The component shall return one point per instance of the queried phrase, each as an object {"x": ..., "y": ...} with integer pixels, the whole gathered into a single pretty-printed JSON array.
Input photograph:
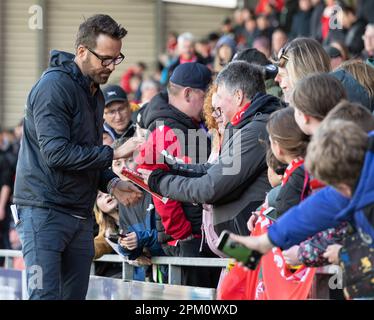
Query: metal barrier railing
[
  {"x": 174, "y": 264},
  {"x": 319, "y": 290}
]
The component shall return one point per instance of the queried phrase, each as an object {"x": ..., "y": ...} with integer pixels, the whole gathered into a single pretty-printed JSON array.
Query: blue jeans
[{"x": 58, "y": 250}]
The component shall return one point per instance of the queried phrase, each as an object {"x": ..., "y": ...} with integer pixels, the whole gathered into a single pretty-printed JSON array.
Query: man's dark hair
[
  {"x": 244, "y": 76},
  {"x": 213, "y": 36},
  {"x": 98, "y": 24},
  {"x": 252, "y": 55}
]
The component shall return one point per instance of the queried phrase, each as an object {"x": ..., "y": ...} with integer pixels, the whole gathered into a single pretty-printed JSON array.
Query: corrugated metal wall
[
  {"x": 21, "y": 65},
  {"x": 199, "y": 20},
  {"x": 19, "y": 59},
  {"x": 137, "y": 17}
]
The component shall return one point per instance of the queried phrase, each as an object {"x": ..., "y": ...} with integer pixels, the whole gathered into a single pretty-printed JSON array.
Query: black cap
[
  {"x": 192, "y": 74},
  {"x": 114, "y": 93}
]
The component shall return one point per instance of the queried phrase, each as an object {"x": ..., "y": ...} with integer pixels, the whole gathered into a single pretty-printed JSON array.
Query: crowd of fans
[{"x": 296, "y": 87}]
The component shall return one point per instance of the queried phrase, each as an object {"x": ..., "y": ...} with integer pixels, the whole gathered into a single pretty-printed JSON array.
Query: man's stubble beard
[{"x": 95, "y": 76}]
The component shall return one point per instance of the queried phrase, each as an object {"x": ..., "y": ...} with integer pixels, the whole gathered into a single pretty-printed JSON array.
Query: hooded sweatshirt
[{"x": 62, "y": 160}]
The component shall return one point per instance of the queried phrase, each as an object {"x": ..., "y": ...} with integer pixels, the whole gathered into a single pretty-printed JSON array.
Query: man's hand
[
  {"x": 145, "y": 173},
  {"x": 290, "y": 256},
  {"x": 127, "y": 193},
  {"x": 130, "y": 242},
  {"x": 332, "y": 253},
  {"x": 128, "y": 148}
]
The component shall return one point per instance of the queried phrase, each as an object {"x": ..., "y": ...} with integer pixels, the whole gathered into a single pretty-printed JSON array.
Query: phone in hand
[{"x": 250, "y": 258}]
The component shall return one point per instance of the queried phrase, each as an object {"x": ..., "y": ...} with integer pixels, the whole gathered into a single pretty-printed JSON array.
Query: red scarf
[
  {"x": 238, "y": 116},
  {"x": 182, "y": 61},
  {"x": 295, "y": 163}
]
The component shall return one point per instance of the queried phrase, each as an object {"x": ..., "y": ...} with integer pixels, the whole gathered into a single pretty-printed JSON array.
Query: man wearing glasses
[
  {"x": 62, "y": 163},
  {"x": 117, "y": 113}
]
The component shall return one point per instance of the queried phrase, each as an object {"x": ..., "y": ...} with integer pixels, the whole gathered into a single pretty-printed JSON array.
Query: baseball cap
[
  {"x": 192, "y": 74},
  {"x": 114, "y": 93}
]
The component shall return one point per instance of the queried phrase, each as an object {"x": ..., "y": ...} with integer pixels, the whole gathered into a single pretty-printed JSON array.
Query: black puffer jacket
[{"x": 61, "y": 161}]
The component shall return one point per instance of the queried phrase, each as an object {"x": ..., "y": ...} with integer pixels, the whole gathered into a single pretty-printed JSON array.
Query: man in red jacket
[{"x": 173, "y": 119}]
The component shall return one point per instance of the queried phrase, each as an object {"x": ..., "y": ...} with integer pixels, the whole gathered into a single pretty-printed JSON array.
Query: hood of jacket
[
  {"x": 64, "y": 62},
  {"x": 160, "y": 109},
  {"x": 355, "y": 91},
  {"x": 363, "y": 195}
]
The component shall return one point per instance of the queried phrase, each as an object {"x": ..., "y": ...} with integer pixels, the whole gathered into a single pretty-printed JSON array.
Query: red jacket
[{"x": 168, "y": 131}]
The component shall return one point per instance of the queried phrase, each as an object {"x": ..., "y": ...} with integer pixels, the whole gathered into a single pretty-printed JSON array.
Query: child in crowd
[
  {"x": 349, "y": 169},
  {"x": 311, "y": 252},
  {"x": 288, "y": 144},
  {"x": 138, "y": 223},
  {"x": 276, "y": 170},
  {"x": 107, "y": 218}
]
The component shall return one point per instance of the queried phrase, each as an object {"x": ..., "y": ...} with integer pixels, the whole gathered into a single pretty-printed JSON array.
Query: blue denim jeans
[{"x": 58, "y": 250}]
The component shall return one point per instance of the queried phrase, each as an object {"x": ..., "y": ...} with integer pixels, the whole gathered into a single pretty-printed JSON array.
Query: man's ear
[
  {"x": 187, "y": 94},
  {"x": 239, "y": 96},
  {"x": 82, "y": 52}
]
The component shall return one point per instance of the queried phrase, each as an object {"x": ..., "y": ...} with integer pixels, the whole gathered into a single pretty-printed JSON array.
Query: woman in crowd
[{"x": 299, "y": 58}]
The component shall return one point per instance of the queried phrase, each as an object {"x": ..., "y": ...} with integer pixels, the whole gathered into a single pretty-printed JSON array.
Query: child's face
[
  {"x": 275, "y": 148},
  {"x": 119, "y": 164},
  {"x": 106, "y": 203},
  {"x": 302, "y": 122},
  {"x": 274, "y": 178}
]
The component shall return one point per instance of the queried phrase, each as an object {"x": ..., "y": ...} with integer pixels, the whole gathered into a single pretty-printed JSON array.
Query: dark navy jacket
[{"x": 62, "y": 161}]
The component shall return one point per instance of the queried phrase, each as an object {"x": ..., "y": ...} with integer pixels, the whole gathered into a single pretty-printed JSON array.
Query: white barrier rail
[{"x": 320, "y": 289}]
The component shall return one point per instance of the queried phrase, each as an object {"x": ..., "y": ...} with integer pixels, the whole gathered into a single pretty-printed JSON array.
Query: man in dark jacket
[
  {"x": 236, "y": 184},
  {"x": 117, "y": 113},
  {"x": 62, "y": 163}
]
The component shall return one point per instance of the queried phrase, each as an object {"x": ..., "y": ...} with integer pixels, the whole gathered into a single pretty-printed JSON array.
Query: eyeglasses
[
  {"x": 120, "y": 110},
  {"x": 217, "y": 112},
  {"x": 282, "y": 53},
  {"x": 105, "y": 61}
]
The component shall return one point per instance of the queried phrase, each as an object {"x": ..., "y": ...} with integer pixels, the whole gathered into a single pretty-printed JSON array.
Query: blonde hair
[
  {"x": 305, "y": 56},
  {"x": 362, "y": 72}
]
